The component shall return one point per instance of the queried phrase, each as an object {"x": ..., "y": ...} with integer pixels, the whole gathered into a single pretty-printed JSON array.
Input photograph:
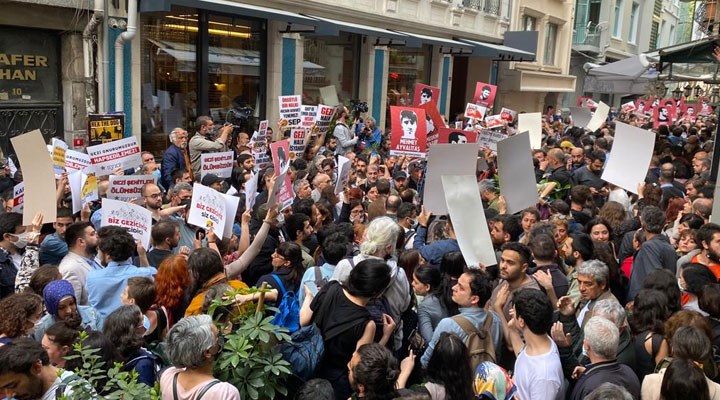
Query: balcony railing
[{"x": 487, "y": 6}]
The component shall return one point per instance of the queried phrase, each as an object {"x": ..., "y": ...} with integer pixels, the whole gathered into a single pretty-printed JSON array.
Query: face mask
[
  {"x": 157, "y": 175},
  {"x": 22, "y": 240},
  {"x": 146, "y": 323}
]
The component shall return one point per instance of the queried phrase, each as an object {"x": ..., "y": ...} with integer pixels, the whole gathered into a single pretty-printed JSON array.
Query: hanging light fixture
[
  {"x": 687, "y": 90},
  {"x": 677, "y": 93},
  {"x": 714, "y": 95},
  {"x": 698, "y": 90}
]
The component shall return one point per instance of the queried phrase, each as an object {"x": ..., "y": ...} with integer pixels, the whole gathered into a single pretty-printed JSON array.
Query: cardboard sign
[
  {"x": 446, "y": 159},
  {"x": 599, "y": 117},
  {"x": 471, "y": 228},
  {"x": 290, "y": 107},
  {"x": 484, "y": 94},
  {"x": 532, "y": 123},
  {"x": 259, "y": 146},
  {"x": 434, "y": 122},
  {"x": 662, "y": 115},
  {"x": 408, "y": 133},
  {"x": 494, "y": 121},
  {"x": 231, "y": 207},
  {"x": 517, "y": 174},
  {"x": 220, "y": 164},
  {"x": 323, "y": 117},
  {"x": 38, "y": 177},
  {"x": 298, "y": 139},
  {"x": 280, "y": 154},
  {"x": 308, "y": 114},
  {"x": 58, "y": 156},
  {"x": 251, "y": 191},
  {"x": 689, "y": 110},
  {"x": 137, "y": 220},
  {"x": 475, "y": 111},
  {"x": 208, "y": 209},
  {"x": 424, "y": 94},
  {"x": 88, "y": 189},
  {"x": 107, "y": 157},
  {"x": 508, "y": 114},
  {"x": 344, "y": 167},
  {"x": 489, "y": 138},
  {"x": 105, "y": 128},
  {"x": 77, "y": 161},
  {"x": 631, "y": 155},
  {"x": 127, "y": 187},
  {"x": 628, "y": 107},
  {"x": 329, "y": 95},
  {"x": 456, "y": 136},
  {"x": 580, "y": 116},
  {"x": 18, "y": 198},
  {"x": 586, "y": 102}
]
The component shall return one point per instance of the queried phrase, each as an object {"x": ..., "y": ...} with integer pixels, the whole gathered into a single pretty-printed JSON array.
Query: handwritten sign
[
  {"x": 127, "y": 187},
  {"x": 107, "y": 157},
  {"x": 489, "y": 138},
  {"x": 208, "y": 209},
  {"x": 220, "y": 164},
  {"x": 290, "y": 108},
  {"x": 137, "y": 220}
]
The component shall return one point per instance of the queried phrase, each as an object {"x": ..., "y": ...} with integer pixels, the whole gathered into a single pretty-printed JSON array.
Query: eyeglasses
[{"x": 155, "y": 195}]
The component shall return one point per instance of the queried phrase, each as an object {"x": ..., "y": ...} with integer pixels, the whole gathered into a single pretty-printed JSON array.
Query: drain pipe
[
  {"x": 126, "y": 36},
  {"x": 88, "y": 59}
]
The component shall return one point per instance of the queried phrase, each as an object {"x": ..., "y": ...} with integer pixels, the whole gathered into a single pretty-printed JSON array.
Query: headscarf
[
  {"x": 54, "y": 292},
  {"x": 492, "y": 382}
]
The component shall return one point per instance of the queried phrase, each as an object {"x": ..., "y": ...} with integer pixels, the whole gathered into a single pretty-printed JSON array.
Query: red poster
[
  {"x": 508, "y": 114},
  {"x": 449, "y": 135},
  {"x": 586, "y": 102},
  {"x": 704, "y": 107},
  {"x": 280, "y": 152},
  {"x": 671, "y": 107},
  {"x": 494, "y": 121},
  {"x": 433, "y": 120},
  {"x": 485, "y": 94},
  {"x": 661, "y": 116},
  {"x": 425, "y": 94},
  {"x": 644, "y": 106},
  {"x": 689, "y": 110},
  {"x": 475, "y": 111},
  {"x": 409, "y": 131}
]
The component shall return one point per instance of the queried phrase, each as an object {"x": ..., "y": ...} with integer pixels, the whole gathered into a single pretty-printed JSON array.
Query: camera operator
[
  {"x": 203, "y": 141},
  {"x": 345, "y": 136},
  {"x": 369, "y": 133}
]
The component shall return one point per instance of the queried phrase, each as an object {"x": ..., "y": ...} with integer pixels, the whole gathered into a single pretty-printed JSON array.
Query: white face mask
[{"x": 22, "y": 240}]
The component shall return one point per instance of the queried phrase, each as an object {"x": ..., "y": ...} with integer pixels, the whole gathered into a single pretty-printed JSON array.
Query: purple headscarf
[{"x": 54, "y": 292}]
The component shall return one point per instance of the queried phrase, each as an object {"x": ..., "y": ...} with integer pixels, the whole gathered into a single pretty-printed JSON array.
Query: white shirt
[{"x": 539, "y": 377}]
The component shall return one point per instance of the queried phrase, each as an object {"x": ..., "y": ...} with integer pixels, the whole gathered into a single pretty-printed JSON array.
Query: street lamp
[
  {"x": 698, "y": 90},
  {"x": 677, "y": 93},
  {"x": 714, "y": 95},
  {"x": 687, "y": 90}
]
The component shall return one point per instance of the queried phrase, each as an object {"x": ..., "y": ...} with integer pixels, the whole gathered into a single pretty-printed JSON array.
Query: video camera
[{"x": 358, "y": 107}]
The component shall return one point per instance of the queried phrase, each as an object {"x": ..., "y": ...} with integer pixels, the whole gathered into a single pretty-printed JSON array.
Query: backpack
[
  {"x": 304, "y": 351},
  {"x": 157, "y": 362},
  {"x": 288, "y": 315},
  {"x": 479, "y": 342}
]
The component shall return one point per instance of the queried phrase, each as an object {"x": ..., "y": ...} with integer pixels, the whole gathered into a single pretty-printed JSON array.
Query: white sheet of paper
[
  {"x": 600, "y": 115},
  {"x": 532, "y": 123},
  {"x": 465, "y": 209},
  {"x": 329, "y": 95},
  {"x": 631, "y": 154},
  {"x": 77, "y": 161},
  {"x": 123, "y": 153},
  {"x": 231, "y": 206},
  {"x": 251, "y": 191},
  {"x": 581, "y": 116},
  {"x": 446, "y": 159},
  {"x": 207, "y": 209},
  {"x": 137, "y": 220},
  {"x": 38, "y": 176},
  {"x": 517, "y": 174},
  {"x": 344, "y": 166},
  {"x": 75, "y": 180}
]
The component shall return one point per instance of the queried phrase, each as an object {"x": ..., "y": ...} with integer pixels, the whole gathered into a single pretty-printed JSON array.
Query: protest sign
[
  {"x": 281, "y": 192},
  {"x": 631, "y": 154},
  {"x": 123, "y": 153},
  {"x": 475, "y": 111},
  {"x": 517, "y": 174},
  {"x": 231, "y": 207},
  {"x": 508, "y": 114},
  {"x": 661, "y": 116},
  {"x": 344, "y": 167},
  {"x": 408, "y": 133},
  {"x": 127, "y": 187},
  {"x": 104, "y": 128},
  {"x": 689, "y": 110},
  {"x": 456, "y": 136},
  {"x": 263, "y": 130},
  {"x": 586, "y": 102},
  {"x": 75, "y": 180},
  {"x": 323, "y": 117},
  {"x": 58, "y": 156},
  {"x": 251, "y": 191},
  {"x": 308, "y": 114},
  {"x": 259, "y": 146},
  {"x": 484, "y": 94},
  {"x": 280, "y": 151},
  {"x": 207, "y": 209},
  {"x": 77, "y": 161},
  {"x": 599, "y": 117},
  {"x": 705, "y": 107},
  {"x": 219, "y": 164},
  {"x": 298, "y": 137},
  {"x": 434, "y": 122},
  {"x": 494, "y": 121},
  {"x": 532, "y": 123},
  {"x": 471, "y": 228},
  {"x": 489, "y": 138},
  {"x": 580, "y": 116},
  {"x": 290, "y": 107},
  {"x": 643, "y": 105},
  {"x": 18, "y": 197},
  {"x": 88, "y": 189},
  {"x": 446, "y": 159},
  {"x": 424, "y": 94},
  {"x": 137, "y": 220},
  {"x": 38, "y": 177},
  {"x": 329, "y": 95},
  {"x": 628, "y": 107}
]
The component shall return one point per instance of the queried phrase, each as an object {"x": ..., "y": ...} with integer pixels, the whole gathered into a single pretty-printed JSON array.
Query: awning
[
  {"x": 631, "y": 68},
  {"x": 384, "y": 37},
  {"x": 697, "y": 51},
  {"x": 446, "y": 46},
  {"x": 296, "y": 22},
  {"x": 499, "y": 52}
]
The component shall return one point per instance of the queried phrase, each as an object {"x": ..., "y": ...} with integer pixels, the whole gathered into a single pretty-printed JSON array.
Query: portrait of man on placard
[
  {"x": 457, "y": 137},
  {"x": 663, "y": 114},
  {"x": 425, "y": 96},
  {"x": 408, "y": 121},
  {"x": 485, "y": 92}
]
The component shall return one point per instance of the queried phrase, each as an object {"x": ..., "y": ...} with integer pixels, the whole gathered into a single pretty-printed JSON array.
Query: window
[
  {"x": 633, "y": 23},
  {"x": 617, "y": 23},
  {"x": 528, "y": 23},
  {"x": 406, "y": 68},
  {"x": 661, "y": 41},
  {"x": 550, "y": 37},
  {"x": 671, "y": 37},
  {"x": 330, "y": 61}
]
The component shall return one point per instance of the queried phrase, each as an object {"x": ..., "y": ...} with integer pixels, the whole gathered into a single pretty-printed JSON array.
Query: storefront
[
  {"x": 407, "y": 67},
  {"x": 330, "y": 61}
]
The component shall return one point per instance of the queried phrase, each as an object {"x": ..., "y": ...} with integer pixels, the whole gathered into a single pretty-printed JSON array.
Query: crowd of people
[{"x": 597, "y": 293}]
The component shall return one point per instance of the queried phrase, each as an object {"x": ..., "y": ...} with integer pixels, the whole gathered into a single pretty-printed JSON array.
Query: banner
[
  {"x": 219, "y": 164},
  {"x": 631, "y": 155},
  {"x": 77, "y": 161},
  {"x": 424, "y": 94},
  {"x": 18, "y": 198},
  {"x": 475, "y": 111},
  {"x": 344, "y": 167},
  {"x": 38, "y": 177},
  {"x": 231, "y": 207},
  {"x": 489, "y": 138},
  {"x": 290, "y": 107},
  {"x": 484, "y": 94},
  {"x": 408, "y": 133},
  {"x": 137, "y": 220},
  {"x": 127, "y": 187},
  {"x": 107, "y": 157},
  {"x": 516, "y": 171},
  {"x": 532, "y": 123},
  {"x": 456, "y": 136},
  {"x": 284, "y": 193},
  {"x": 104, "y": 128},
  {"x": 323, "y": 117},
  {"x": 58, "y": 156},
  {"x": 208, "y": 209},
  {"x": 298, "y": 138}
]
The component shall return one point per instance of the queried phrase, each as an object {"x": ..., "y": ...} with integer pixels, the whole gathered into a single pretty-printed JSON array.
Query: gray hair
[
  {"x": 487, "y": 185},
  {"x": 610, "y": 310},
  {"x": 380, "y": 233},
  {"x": 174, "y": 132},
  {"x": 188, "y": 339},
  {"x": 298, "y": 184},
  {"x": 369, "y": 120},
  {"x": 595, "y": 268},
  {"x": 609, "y": 391},
  {"x": 180, "y": 186},
  {"x": 602, "y": 337}
]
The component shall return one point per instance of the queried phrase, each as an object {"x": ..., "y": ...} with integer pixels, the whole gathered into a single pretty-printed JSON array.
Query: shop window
[
  {"x": 407, "y": 67},
  {"x": 331, "y": 61}
]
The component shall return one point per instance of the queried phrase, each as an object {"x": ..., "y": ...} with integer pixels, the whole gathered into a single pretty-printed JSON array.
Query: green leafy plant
[
  {"x": 250, "y": 359},
  {"x": 113, "y": 382}
]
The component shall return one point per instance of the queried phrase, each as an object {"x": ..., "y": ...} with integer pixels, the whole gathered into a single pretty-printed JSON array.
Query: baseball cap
[
  {"x": 209, "y": 179},
  {"x": 400, "y": 175}
]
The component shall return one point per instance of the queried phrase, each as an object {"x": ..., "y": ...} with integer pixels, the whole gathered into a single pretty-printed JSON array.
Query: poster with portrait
[
  {"x": 456, "y": 136},
  {"x": 290, "y": 111},
  {"x": 408, "y": 134},
  {"x": 104, "y": 128},
  {"x": 484, "y": 94},
  {"x": 643, "y": 106},
  {"x": 628, "y": 107},
  {"x": 474, "y": 111},
  {"x": 494, "y": 121},
  {"x": 689, "y": 111},
  {"x": 508, "y": 114},
  {"x": 586, "y": 102},
  {"x": 672, "y": 107},
  {"x": 137, "y": 220},
  {"x": 662, "y": 115},
  {"x": 281, "y": 162},
  {"x": 434, "y": 122},
  {"x": 424, "y": 94},
  {"x": 208, "y": 209},
  {"x": 704, "y": 107}
]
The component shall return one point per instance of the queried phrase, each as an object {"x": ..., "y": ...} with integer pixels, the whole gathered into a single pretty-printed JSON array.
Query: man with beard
[
  {"x": 708, "y": 236},
  {"x": 152, "y": 196},
  {"x": 175, "y": 157},
  {"x": 61, "y": 305},
  {"x": 590, "y": 175},
  {"x": 513, "y": 275},
  {"x": 165, "y": 238},
  {"x": 81, "y": 238},
  {"x": 577, "y": 158},
  {"x": 578, "y": 248},
  {"x": 26, "y": 373}
]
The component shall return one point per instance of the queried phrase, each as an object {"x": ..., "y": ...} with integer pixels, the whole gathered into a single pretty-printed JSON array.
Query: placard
[
  {"x": 446, "y": 159},
  {"x": 471, "y": 228},
  {"x": 474, "y": 111},
  {"x": 18, "y": 198},
  {"x": 127, "y": 187},
  {"x": 599, "y": 117},
  {"x": 456, "y": 136},
  {"x": 88, "y": 189},
  {"x": 298, "y": 137},
  {"x": 280, "y": 151},
  {"x": 508, "y": 114},
  {"x": 137, "y": 220},
  {"x": 38, "y": 177},
  {"x": 107, "y": 157},
  {"x": 77, "y": 161},
  {"x": 344, "y": 167},
  {"x": 231, "y": 206},
  {"x": 532, "y": 123},
  {"x": 484, "y": 94},
  {"x": 516, "y": 172},
  {"x": 323, "y": 117},
  {"x": 251, "y": 191},
  {"x": 75, "y": 180},
  {"x": 308, "y": 115},
  {"x": 494, "y": 121},
  {"x": 219, "y": 164},
  {"x": 105, "y": 128},
  {"x": 489, "y": 138},
  {"x": 408, "y": 133},
  {"x": 628, "y": 107},
  {"x": 329, "y": 95},
  {"x": 434, "y": 122},
  {"x": 424, "y": 94},
  {"x": 290, "y": 107},
  {"x": 208, "y": 209},
  {"x": 580, "y": 116},
  {"x": 58, "y": 156},
  {"x": 631, "y": 155}
]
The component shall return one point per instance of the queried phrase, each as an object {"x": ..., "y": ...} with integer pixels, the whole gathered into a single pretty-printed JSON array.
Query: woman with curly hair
[
  {"x": 125, "y": 328},
  {"x": 614, "y": 214},
  {"x": 20, "y": 312},
  {"x": 171, "y": 287}
]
